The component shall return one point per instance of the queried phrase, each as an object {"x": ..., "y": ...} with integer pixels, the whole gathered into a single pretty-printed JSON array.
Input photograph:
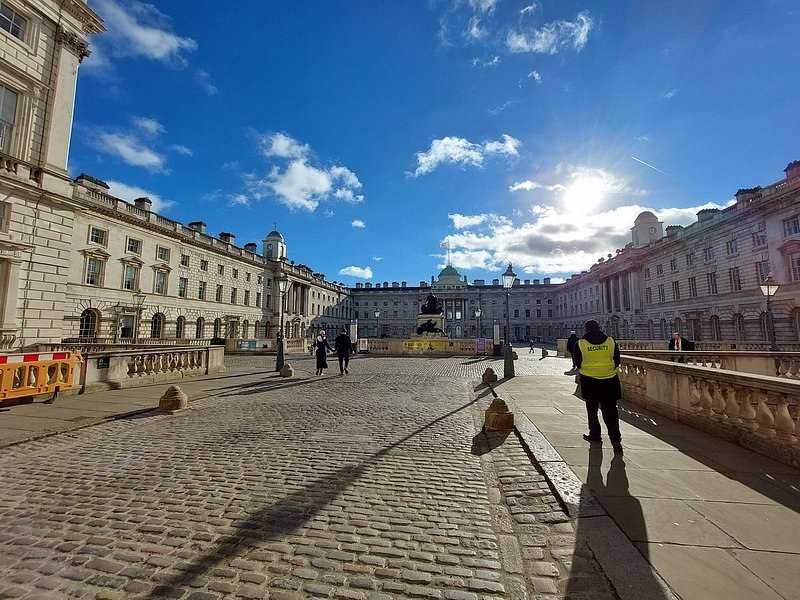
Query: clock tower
[
  {"x": 646, "y": 228},
  {"x": 274, "y": 246}
]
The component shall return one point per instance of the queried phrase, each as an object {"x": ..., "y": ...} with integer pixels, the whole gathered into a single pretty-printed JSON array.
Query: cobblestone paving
[
  {"x": 360, "y": 487},
  {"x": 471, "y": 367}
]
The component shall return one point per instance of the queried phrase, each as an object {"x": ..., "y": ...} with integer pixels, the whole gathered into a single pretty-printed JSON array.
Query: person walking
[
  {"x": 531, "y": 347},
  {"x": 343, "y": 345},
  {"x": 597, "y": 357},
  {"x": 571, "y": 342},
  {"x": 323, "y": 347}
]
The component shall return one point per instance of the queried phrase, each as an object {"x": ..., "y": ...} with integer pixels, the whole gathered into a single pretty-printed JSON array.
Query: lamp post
[
  {"x": 769, "y": 288},
  {"x": 138, "y": 302},
  {"x": 377, "y": 324},
  {"x": 508, "y": 364},
  {"x": 283, "y": 287},
  {"x": 478, "y": 316}
]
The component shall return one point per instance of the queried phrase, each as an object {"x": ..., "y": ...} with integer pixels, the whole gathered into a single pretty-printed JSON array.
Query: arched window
[
  {"x": 217, "y": 327},
  {"x": 257, "y": 329},
  {"x": 157, "y": 326},
  {"x": 678, "y": 325},
  {"x": 180, "y": 327},
  {"x": 198, "y": 328},
  {"x": 664, "y": 334},
  {"x": 795, "y": 321},
  {"x": 716, "y": 329},
  {"x": 245, "y": 328},
  {"x": 88, "y": 324},
  {"x": 650, "y": 329},
  {"x": 738, "y": 328}
]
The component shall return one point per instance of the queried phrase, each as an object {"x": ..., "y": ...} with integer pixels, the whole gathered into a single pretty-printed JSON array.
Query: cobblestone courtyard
[{"x": 374, "y": 485}]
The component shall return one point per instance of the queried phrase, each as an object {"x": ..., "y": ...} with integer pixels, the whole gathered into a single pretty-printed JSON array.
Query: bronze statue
[
  {"x": 428, "y": 327},
  {"x": 431, "y": 306}
]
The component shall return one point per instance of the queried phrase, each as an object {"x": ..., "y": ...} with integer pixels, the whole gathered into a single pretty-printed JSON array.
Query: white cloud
[
  {"x": 553, "y": 36},
  {"x": 130, "y": 150},
  {"x": 462, "y": 152},
  {"x": 535, "y": 185},
  {"x": 536, "y": 76},
  {"x": 359, "y": 272},
  {"x": 377, "y": 258},
  {"x": 129, "y": 193},
  {"x": 141, "y": 30},
  {"x": 148, "y": 126},
  {"x": 181, "y": 149},
  {"x": 474, "y": 30},
  {"x": 358, "y": 223},
  {"x": 205, "y": 81},
  {"x": 529, "y": 10},
  {"x": 642, "y": 138},
  {"x": 671, "y": 93},
  {"x": 238, "y": 200},
  {"x": 483, "y": 6},
  {"x": 297, "y": 183},
  {"x": 464, "y": 221}
]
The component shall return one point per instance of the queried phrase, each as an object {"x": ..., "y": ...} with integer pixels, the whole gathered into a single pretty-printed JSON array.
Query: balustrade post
[
  {"x": 747, "y": 412},
  {"x": 706, "y": 399},
  {"x": 784, "y": 426},
  {"x": 718, "y": 403},
  {"x": 731, "y": 406},
  {"x": 764, "y": 418}
]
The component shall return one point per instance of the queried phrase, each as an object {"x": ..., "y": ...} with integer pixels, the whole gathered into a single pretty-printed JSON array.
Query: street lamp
[
  {"x": 377, "y": 324},
  {"x": 769, "y": 288},
  {"x": 283, "y": 287},
  {"x": 478, "y": 316},
  {"x": 508, "y": 365},
  {"x": 138, "y": 303}
]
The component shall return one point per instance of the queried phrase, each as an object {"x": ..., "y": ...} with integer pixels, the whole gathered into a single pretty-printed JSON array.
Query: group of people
[
  {"x": 596, "y": 359},
  {"x": 342, "y": 345}
]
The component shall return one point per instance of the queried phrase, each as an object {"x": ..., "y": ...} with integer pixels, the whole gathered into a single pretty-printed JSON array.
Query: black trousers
[
  {"x": 610, "y": 417},
  {"x": 344, "y": 361}
]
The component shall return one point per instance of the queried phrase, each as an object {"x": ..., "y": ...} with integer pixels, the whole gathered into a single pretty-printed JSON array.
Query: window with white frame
[
  {"x": 201, "y": 290},
  {"x": 732, "y": 246},
  {"x": 220, "y": 269},
  {"x": 712, "y": 282},
  {"x": 693, "y": 287},
  {"x": 160, "y": 282},
  {"x": 218, "y": 295},
  {"x": 94, "y": 270},
  {"x": 235, "y": 273},
  {"x": 648, "y": 294},
  {"x": 676, "y": 290},
  {"x": 735, "y": 279},
  {"x": 130, "y": 277},
  {"x": 759, "y": 239},
  {"x": 203, "y": 265},
  {"x": 708, "y": 253},
  {"x": 8, "y": 113},
  {"x": 12, "y": 21},
  {"x": 258, "y": 300},
  {"x": 183, "y": 286},
  {"x": 162, "y": 253},
  {"x": 673, "y": 265},
  {"x": 662, "y": 297},
  {"x": 690, "y": 259},
  {"x": 762, "y": 270},
  {"x": 5, "y": 214},
  {"x": 247, "y": 297},
  {"x": 234, "y": 293},
  {"x": 184, "y": 260},
  {"x": 794, "y": 262},
  {"x": 98, "y": 236},
  {"x": 134, "y": 246},
  {"x": 791, "y": 226},
  {"x": 659, "y": 269}
]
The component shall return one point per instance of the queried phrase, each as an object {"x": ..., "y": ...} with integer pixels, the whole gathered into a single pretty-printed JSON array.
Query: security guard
[{"x": 597, "y": 357}]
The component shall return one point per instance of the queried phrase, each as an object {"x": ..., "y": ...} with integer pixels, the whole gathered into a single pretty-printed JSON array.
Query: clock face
[
  {"x": 652, "y": 230},
  {"x": 269, "y": 246}
]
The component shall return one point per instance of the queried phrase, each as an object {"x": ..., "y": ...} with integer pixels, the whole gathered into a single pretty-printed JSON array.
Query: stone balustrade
[
  {"x": 131, "y": 368},
  {"x": 8, "y": 338},
  {"x": 706, "y": 346},
  {"x": 758, "y": 412},
  {"x": 785, "y": 365},
  {"x": 86, "y": 346}
]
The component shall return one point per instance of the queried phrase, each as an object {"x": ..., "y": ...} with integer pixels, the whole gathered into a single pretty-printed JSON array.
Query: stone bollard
[
  {"x": 287, "y": 370},
  {"x": 498, "y": 417},
  {"x": 173, "y": 400},
  {"x": 489, "y": 376}
]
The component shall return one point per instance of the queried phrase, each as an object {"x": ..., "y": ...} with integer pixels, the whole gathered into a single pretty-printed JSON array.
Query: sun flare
[{"x": 585, "y": 193}]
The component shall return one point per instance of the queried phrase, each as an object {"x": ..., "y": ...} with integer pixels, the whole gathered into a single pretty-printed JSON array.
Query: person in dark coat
[
  {"x": 597, "y": 357},
  {"x": 323, "y": 347},
  {"x": 571, "y": 342},
  {"x": 680, "y": 344},
  {"x": 343, "y": 345}
]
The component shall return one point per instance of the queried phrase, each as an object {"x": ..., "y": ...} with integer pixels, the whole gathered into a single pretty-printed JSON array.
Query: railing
[
  {"x": 758, "y": 412},
  {"x": 8, "y": 337},
  {"x": 785, "y": 365},
  {"x": 24, "y": 375},
  {"x": 705, "y": 346},
  {"x": 112, "y": 370},
  {"x": 92, "y": 345}
]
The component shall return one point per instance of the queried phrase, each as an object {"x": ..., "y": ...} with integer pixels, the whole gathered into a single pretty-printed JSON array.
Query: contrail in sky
[{"x": 648, "y": 165}]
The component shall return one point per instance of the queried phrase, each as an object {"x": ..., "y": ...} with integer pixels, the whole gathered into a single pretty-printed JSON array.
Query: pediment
[
  {"x": 789, "y": 246},
  {"x": 162, "y": 266},
  {"x": 132, "y": 260},
  {"x": 96, "y": 252}
]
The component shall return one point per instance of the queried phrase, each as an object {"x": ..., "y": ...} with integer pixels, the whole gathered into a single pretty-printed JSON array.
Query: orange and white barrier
[{"x": 36, "y": 373}]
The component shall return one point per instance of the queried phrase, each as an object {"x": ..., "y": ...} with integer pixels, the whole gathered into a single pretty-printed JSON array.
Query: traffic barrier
[{"x": 24, "y": 375}]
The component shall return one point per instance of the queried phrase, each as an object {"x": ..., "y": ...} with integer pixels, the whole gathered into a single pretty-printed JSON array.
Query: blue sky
[{"x": 371, "y": 132}]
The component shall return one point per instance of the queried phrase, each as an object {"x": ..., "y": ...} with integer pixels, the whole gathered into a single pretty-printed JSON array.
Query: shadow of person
[{"x": 486, "y": 441}]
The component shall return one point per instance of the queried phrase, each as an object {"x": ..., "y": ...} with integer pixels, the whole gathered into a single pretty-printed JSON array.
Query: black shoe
[
  {"x": 594, "y": 440},
  {"x": 617, "y": 447}
]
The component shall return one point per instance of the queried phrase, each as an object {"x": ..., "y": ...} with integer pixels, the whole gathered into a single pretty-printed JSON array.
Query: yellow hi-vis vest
[{"x": 598, "y": 359}]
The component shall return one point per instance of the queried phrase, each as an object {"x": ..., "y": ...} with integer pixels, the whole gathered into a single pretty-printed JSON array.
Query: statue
[
  {"x": 431, "y": 306},
  {"x": 428, "y": 327}
]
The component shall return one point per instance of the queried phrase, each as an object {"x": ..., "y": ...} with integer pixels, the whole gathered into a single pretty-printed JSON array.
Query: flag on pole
[{"x": 444, "y": 244}]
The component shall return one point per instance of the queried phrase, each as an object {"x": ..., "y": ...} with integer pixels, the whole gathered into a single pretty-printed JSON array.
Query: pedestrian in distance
[
  {"x": 323, "y": 347},
  {"x": 531, "y": 348},
  {"x": 680, "y": 344},
  {"x": 571, "y": 342},
  {"x": 597, "y": 357},
  {"x": 343, "y": 345}
]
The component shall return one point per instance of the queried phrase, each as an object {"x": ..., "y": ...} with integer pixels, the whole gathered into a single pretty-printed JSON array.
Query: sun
[{"x": 585, "y": 193}]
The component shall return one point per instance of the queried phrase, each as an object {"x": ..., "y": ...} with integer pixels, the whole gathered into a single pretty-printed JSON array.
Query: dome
[
  {"x": 646, "y": 216},
  {"x": 275, "y": 233},
  {"x": 449, "y": 271}
]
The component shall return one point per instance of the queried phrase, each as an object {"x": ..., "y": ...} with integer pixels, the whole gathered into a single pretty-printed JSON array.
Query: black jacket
[
  {"x": 343, "y": 344},
  {"x": 571, "y": 343}
]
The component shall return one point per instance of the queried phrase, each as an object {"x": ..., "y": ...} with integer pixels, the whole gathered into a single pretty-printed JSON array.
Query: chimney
[
  {"x": 793, "y": 170},
  {"x": 707, "y": 214},
  {"x": 403, "y": 284},
  {"x": 479, "y": 282},
  {"x": 495, "y": 282},
  {"x": 144, "y": 203},
  {"x": 368, "y": 285},
  {"x": 535, "y": 282},
  {"x": 198, "y": 226},
  {"x": 228, "y": 238},
  {"x": 90, "y": 182},
  {"x": 672, "y": 230},
  {"x": 251, "y": 247},
  {"x": 546, "y": 281},
  {"x": 395, "y": 284},
  {"x": 359, "y": 285}
]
